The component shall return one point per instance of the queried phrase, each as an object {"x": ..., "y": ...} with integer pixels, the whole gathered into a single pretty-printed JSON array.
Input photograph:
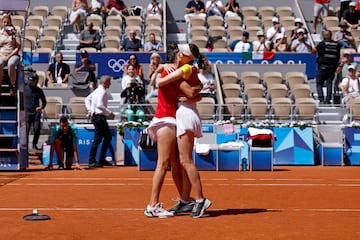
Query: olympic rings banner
[{"x": 112, "y": 64}]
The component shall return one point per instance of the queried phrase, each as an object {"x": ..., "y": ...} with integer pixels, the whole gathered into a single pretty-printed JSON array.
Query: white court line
[
  {"x": 171, "y": 184},
  {"x": 141, "y": 209}
]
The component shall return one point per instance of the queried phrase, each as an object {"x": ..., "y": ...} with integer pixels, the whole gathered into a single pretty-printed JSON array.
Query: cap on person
[
  {"x": 260, "y": 33},
  {"x": 33, "y": 78},
  {"x": 300, "y": 30},
  {"x": 83, "y": 53},
  {"x": 275, "y": 19},
  {"x": 298, "y": 20},
  {"x": 185, "y": 49},
  {"x": 246, "y": 34},
  {"x": 352, "y": 4},
  {"x": 343, "y": 24},
  {"x": 347, "y": 52},
  {"x": 351, "y": 67}
]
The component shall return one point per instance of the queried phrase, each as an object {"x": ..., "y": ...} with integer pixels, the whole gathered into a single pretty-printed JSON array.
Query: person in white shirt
[
  {"x": 261, "y": 44},
  {"x": 154, "y": 8},
  {"x": 350, "y": 85},
  {"x": 96, "y": 105},
  {"x": 214, "y": 8},
  {"x": 126, "y": 79},
  {"x": 276, "y": 32},
  {"x": 244, "y": 45},
  {"x": 301, "y": 44},
  {"x": 206, "y": 77}
]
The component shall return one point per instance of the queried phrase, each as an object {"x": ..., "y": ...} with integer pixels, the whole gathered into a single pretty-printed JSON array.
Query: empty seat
[
  {"x": 231, "y": 90},
  {"x": 272, "y": 77},
  {"x": 200, "y": 41},
  {"x": 354, "y": 107},
  {"x": 109, "y": 50},
  {"x": 153, "y": 29},
  {"x": 254, "y": 90},
  {"x": 228, "y": 77},
  {"x": 197, "y": 20},
  {"x": 257, "y": 108},
  {"x": 266, "y": 11},
  {"x": 60, "y": 10},
  {"x": 233, "y": 21},
  {"x": 301, "y": 91},
  {"x": 330, "y": 21},
  {"x": 198, "y": 31},
  {"x": 112, "y": 31},
  {"x": 250, "y": 21},
  {"x": 53, "y": 108},
  {"x": 284, "y": 11},
  {"x": 97, "y": 21},
  {"x": 277, "y": 90},
  {"x": 111, "y": 41},
  {"x": 47, "y": 42},
  {"x": 215, "y": 21},
  {"x": 249, "y": 11},
  {"x": 153, "y": 20},
  {"x": 35, "y": 21},
  {"x": 40, "y": 10},
  {"x": 305, "y": 108},
  {"x": 249, "y": 77},
  {"x": 42, "y": 78},
  {"x": 281, "y": 108},
  {"x": 206, "y": 107},
  {"x": 220, "y": 43},
  {"x": 32, "y": 31},
  {"x": 133, "y": 21},
  {"x": 234, "y": 107},
  {"x": 89, "y": 49},
  {"x": 77, "y": 108},
  {"x": 293, "y": 78},
  {"x": 234, "y": 31},
  {"x": 51, "y": 31},
  {"x": 54, "y": 21},
  {"x": 114, "y": 20},
  {"x": 18, "y": 21},
  {"x": 216, "y": 31},
  {"x": 287, "y": 21}
]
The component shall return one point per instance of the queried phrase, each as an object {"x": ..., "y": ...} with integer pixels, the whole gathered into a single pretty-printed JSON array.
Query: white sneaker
[{"x": 157, "y": 211}]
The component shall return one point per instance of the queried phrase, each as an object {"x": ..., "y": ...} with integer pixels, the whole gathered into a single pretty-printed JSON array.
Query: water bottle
[{"x": 244, "y": 164}]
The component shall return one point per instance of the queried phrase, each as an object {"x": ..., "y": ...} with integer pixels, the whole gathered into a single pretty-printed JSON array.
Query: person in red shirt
[{"x": 117, "y": 7}]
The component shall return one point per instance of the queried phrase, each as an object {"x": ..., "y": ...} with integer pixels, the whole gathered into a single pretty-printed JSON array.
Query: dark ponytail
[
  {"x": 172, "y": 51},
  {"x": 196, "y": 52}
]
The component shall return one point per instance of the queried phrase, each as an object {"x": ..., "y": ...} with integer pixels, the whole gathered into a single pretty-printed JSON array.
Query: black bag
[
  {"x": 79, "y": 80},
  {"x": 145, "y": 142}
]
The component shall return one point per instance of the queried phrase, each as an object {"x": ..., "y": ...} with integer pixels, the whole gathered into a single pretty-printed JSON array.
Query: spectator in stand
[
  {"x": 282, "y": 45},
  {"x": 232, "y": 8},
  {"x": 320, "y": 6},
  {"x": 98, "y": 7},
  {"x": 345, "y": 62},
  {"x": 298, "y": 25},
  {"x": 78, "y": 13},
  {"x": 155, "y": 61},
  {"x": 351, "y": 16},
  {"x": 133, "y": 94},
  {"x": 90, "y": 37},
  {"x": 194, "y": 7},
  {"x": 328, "y": 55},
  {"x": 86, "y": 65},
  {"x": 344, "y": 37},
  {"x": 117, "y": 7},
  {"x": 152, "y": 45},
  {"x": 231, "y": 46},
  {"x": 301, "y": 44},
  {"x": 344, "y": 5},
  {"x": 131, "y": 43},
  {"x": 276, "y": 32},
  {"x": 10, "y": 45},
  {"x": 350, "y": 85},
  {"x": 206, "y": 76},
  {"x": 57, "y": 70},
  {"x": 130, "y": 74},
  {"x": 261, "y": 44},
  {"x": 133, "y": 60},
  {"x": 214, "y": 8},
  {"x": 154, "y": 8},
  {"x": 244, "y": 45}
]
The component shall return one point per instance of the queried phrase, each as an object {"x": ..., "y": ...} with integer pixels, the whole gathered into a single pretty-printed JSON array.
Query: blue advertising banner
[{"x": 112, "y": 64}]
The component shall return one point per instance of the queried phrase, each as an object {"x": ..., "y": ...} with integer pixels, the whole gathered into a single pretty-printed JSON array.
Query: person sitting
[
  {"x": 343, "y": 36},
  {"x": 206, "y": 76},
  {"x": 117, "y": 7},
  {"x": 133, "y": 94},
  {"x": 97, "y": 7},
  {"x": 155, "y": 61},
  {"x": 214, "y": 8},
  {"x": 86, "y": 65},
  {"x": 57, "y": 72},
  {"x": 298, "y": 25},
  {"x": 131, "y": 43},
  {"x": 274, "y": 33},
  {"x": 64, "y": 140},
  {"x": 194, "y": 7},
  {"x": 301, "y": 44},
  {"x": 152, "y": 45},
  {"x": 78, "y": 13},
  {"x": 232, "y": 8},
  {"x": 154, "y": 8},
  {"x": 90, "y": 37},
  {"x": 138, "y": 68},
  {"x": 244, "y": 45},
  {"x": 10, "y": 46},
  {"x": 351, "y": 16},
  {"x": 281, "y": 45},
  {"x": 130, "y": 74},
  {"x": 350, "y": 85},
  {"x": 261, "y": 44}
]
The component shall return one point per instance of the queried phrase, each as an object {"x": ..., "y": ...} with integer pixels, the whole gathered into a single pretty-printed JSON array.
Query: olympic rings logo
[{"x": 116, "y": 65}]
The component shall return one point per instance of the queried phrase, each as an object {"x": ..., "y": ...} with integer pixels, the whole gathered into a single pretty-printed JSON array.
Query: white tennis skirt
[
  {"x": 157, "y": 123},
  {"x": 188, "y": 118}
]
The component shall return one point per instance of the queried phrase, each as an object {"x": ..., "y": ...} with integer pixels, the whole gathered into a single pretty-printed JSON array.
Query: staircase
[{"x": 13, "y": 142}]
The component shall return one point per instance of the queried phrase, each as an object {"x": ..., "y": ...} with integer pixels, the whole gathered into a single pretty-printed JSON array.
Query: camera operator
[
  {"x": 132, "y": 95},
  {"x": 154, "y": 8}
]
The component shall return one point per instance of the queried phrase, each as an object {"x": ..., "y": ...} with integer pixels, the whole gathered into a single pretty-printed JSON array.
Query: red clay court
[{"x": 288, "y": 203}]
